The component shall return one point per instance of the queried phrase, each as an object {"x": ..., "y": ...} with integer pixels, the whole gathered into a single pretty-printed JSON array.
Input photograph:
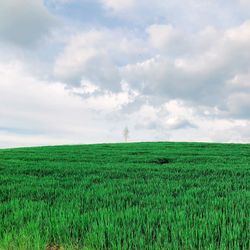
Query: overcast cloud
[{"x": 80, "y": 71}]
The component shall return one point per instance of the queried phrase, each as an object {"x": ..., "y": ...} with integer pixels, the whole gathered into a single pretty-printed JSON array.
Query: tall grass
[{"x": 126, "y": 196}]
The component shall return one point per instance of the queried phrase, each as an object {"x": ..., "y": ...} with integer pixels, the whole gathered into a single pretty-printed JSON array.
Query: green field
[{"x": 126, "y": 196}]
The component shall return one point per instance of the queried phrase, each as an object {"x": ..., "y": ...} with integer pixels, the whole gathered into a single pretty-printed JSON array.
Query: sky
[{"x": 80, "y": 71}]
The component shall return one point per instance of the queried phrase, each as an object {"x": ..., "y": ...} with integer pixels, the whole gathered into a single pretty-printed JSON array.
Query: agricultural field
[{"x": 126, "y": 196}]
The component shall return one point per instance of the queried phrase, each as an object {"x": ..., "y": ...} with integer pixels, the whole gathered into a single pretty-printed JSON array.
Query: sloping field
[{"x": 126, "y": 196}]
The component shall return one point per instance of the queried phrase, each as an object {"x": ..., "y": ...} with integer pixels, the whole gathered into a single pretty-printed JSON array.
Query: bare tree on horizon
[{"x": 126, "y": 133}]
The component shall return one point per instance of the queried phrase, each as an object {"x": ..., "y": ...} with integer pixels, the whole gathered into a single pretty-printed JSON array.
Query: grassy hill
[{"x": 125, "y": 196}]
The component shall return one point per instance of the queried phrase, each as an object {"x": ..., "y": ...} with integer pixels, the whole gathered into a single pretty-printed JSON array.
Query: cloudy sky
[{"x": 79, "y": 71}]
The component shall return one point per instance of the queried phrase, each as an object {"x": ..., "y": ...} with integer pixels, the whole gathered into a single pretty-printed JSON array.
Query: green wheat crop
[{"x": 126, "y": 196}]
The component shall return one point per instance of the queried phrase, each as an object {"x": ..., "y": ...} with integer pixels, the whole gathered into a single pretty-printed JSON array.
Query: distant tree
[{"x": 125, "y": 134}]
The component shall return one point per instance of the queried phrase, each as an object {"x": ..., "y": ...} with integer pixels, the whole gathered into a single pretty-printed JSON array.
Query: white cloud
[
  {"x": 240, "y": 82},
  {"x": 87, "y": 58},
  {"x": 163, "y": 37},
  {"x": 35, "y": 109},
  {"x": 94, "y": 56},
  {"x": 188, "y": 14},
  {"x": 118, "y": 6},
  {"x": 196, "y": 75},
  {"x": 245, "y": 3},
  {"x": 24, "y": 22},
  {"x": 238, "y": 104},
  {"x": 35, "y": 112}
]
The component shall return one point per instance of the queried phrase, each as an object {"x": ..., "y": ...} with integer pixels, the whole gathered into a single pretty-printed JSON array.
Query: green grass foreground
[{"x": 126, "y": 196}]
